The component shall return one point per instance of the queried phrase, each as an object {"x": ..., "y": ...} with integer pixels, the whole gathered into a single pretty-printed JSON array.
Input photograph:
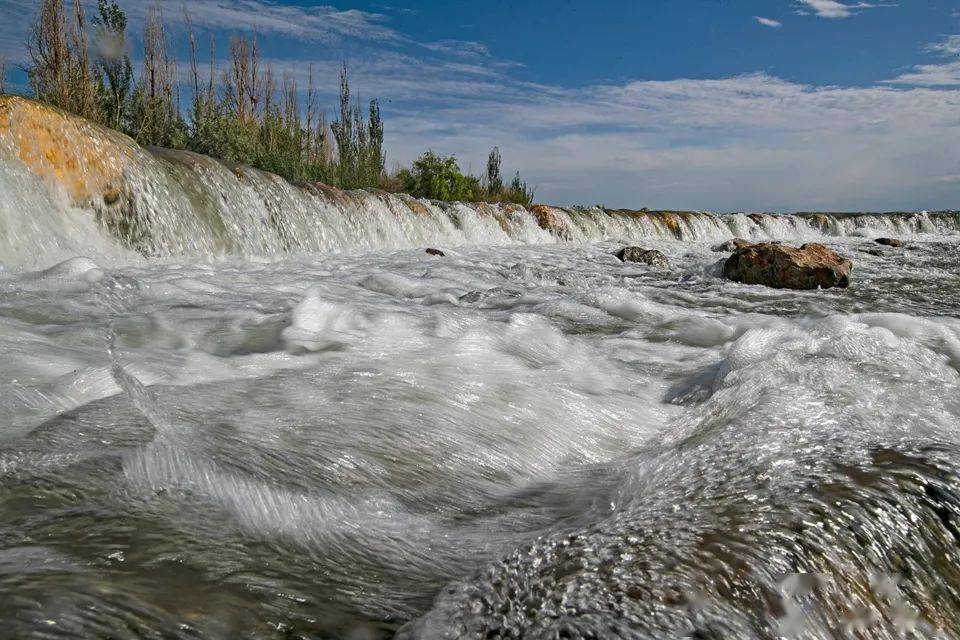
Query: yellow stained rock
[{"x": 81, "y": 158}]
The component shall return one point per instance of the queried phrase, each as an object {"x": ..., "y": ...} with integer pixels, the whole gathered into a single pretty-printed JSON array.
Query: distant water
[{"x": 231, "y": 408}]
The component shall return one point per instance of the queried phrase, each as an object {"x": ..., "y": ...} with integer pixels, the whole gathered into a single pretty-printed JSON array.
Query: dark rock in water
[
  {"x": 436, "y": 252},
  {"x": 873, "y": 251},
  {"x": 756, "y": 217},
  {"x": 811, "y": 266},
  {"x": 889, "y": 242},
  {"x": 111, "y": 196},
  {"x": 732, "y": 245},
  {"x": 644, "y": 256}
]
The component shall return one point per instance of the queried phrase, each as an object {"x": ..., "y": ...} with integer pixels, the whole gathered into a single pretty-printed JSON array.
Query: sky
[{"x": 721, "y": 105}]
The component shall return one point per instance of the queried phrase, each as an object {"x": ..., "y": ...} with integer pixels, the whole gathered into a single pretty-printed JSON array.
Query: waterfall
[{"x": 69, "y": 187}]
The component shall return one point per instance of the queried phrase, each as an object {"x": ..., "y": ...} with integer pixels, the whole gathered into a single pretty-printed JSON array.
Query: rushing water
[{"x": 259, "y": 411}]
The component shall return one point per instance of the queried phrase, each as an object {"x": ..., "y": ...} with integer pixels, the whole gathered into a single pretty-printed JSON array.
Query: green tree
[
  {"x": 439, "y": 178},
  {"x": 518, "y": 192},
  {"x": 343, "y": 133},
  {"x": 113, "y": 61},
  {"x": 359, "y": 141},
  {"x": 494, "y": 179}
]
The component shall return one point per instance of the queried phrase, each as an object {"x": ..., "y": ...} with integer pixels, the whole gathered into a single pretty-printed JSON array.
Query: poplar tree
[{"x": 113, "y": 61}]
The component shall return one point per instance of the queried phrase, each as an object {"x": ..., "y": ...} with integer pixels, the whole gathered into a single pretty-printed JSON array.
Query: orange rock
[
  {"x": 781, "y": 266},
  {"x": 672, "y": 222},
  {"x": 83, "y": 159},
  {"x": 548, "y": 220}
]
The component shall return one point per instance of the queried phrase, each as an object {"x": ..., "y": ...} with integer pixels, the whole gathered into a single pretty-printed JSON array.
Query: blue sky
[{"x": 708, "y": 104}]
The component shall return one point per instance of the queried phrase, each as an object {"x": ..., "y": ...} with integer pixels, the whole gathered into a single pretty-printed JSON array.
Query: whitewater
[{"x": 237, "y": 408}]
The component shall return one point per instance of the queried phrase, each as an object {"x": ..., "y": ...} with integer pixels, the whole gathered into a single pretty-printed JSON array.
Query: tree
[
  {"x": 113, "y": 61},
  {"x": 374, "y": 158},
  {"x": 3, "y": 74},
  {"x": 359, "y": 140},
  {"x": 343, "y": 134},
  {"x": 204, "y": 109},
  {"x": 155, "y": 110},
  {"x": 519, "y": 192},
  {"x": 494, "y": 179},
  {"x": 439, "y": 178},
  {"x": 59, "y": 68}
]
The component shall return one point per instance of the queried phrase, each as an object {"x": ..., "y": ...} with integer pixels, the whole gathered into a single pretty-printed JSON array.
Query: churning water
[{"x": 257, "y": 411}]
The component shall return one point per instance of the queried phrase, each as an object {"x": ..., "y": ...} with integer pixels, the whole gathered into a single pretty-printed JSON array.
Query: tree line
[{"x": 242, "y": 113}]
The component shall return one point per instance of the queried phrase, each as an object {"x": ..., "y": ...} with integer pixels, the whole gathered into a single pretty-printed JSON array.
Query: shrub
[{"x": 439, "y": 178}]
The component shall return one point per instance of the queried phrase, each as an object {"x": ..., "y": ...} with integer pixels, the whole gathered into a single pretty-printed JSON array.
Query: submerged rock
[
  {"x": 811, "y": 266},
  {"x": 889, "y": 242},
  {"x": 732, "y": 245},
  {"x": 435, "y": 252},
  {"x": 651, "y": 257}
]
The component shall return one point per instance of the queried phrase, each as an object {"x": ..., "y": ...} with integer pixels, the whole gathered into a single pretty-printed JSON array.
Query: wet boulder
[
  {"x": 781, "y": 266},
  {"x": 732, "y": 245},
  {"x": 435, "y": 252},
  {"x": 889, "y": 242},
  {"x": 651, "y": 257}
]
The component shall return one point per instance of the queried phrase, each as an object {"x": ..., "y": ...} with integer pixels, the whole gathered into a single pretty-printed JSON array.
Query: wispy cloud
[
  {"x": 949, "y": 46},
  {"x": 833, "y": 8},
  {"x": 768, "y": 22},
  {"x": 943, "y": 74},
  {"x": 458, "y": 47},
  {"x": 312, "y": 23},
  {"x": 325, "y": 24}
]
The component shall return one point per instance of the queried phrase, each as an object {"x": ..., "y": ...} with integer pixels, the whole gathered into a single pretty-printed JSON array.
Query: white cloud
[
  {"x": 768, "y": 22},
  {"x": 944, "y": 74},
  {"x": 833, "y": 8},
  {"x": 930, "y": 75},
  {"x": 950, "y": 46}
]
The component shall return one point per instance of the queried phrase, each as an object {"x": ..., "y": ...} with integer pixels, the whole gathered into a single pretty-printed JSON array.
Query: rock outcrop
[
  {"x": 435, "y": 252},
  {"x": 651, "y": 257},
  {"x": 781, "y": 266}
]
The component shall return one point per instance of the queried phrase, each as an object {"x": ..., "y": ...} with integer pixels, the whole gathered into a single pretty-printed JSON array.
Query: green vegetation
[
  {"x": 241, "y": 114},
  {"x": 439, "y": 177}
]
